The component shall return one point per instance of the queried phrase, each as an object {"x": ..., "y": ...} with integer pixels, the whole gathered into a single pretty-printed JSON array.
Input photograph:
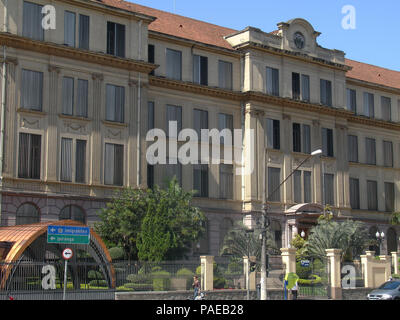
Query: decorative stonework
[{"x": 29, "y": 123}]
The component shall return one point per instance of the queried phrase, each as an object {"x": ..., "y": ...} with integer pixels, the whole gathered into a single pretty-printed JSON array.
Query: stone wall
[{"x": 355, "y": 294}]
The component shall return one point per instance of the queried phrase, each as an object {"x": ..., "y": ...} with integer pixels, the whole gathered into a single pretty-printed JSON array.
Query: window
[
  {"x": 66, "y": 159},
  {"x": 307, "y": 186},
  {"x": 351, "y": 100},
  {"x": 272, "y": 81},
  {"x": 327, "y": 142},
  {"x": 116, "y": 39},
  {"x": 302, "y": 186},
  {"x": 84, "y": 31},
  {"x": 67, "y": 156},
  {"x": 200, "y": 121},
  {"x": 29, "y": 156},
  {"x": 370, "y": 151},
  {"x": 387, "y": 153},
  {"x": 352, "y": 144},
  {"x": 386, "y": 108},
  {"x": 115, "y": 103},
  {"x": 150, "y": 115},
  {"x": 200, "y": 180},
  {"x": 151, "y": 56},
  {"x": 68, "y": 97},
  {"x": 69, "y": 28},
  {"x": 32, "y": 21},
  {"x": 150, "y": 176},
  {"x": 300, "y": 89},
  {"x": 372, "y": 191},
  {"x": 80, "y": 161},
  {"x": 326, "y": 92},
  {"x": 305, "y": 87},
  {"x": 225, "y": 121},
  {"x": 297, "y": 186},
  {"x": 173, "y": 170},
  {"x": 73, "y": 212},
  {"x": 226, "y": 181},
  {"x": 301, "y": 138},
  {"x": 369, "y": 109},
  {"x": 274, "y": 180},
  {"x": 389, "y": 197},
  {"x": 200, "y": 70},
  {"x": 354, "y": 193},
  {"x": 174, "y": 113},
  {"x": 296, "y": 86},
  {"x": 225, "y": 75},
  {"x": 174, "y": 64},
  {"x": 32, "y": 90},
  {"x": 27, "y": 214},
  {"x": 114, "y": 164},
  {"x": 329, "y": 189},
  {"x": 273, "y": 134}
]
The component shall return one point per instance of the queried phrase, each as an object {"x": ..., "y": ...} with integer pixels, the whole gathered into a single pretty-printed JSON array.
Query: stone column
[
  {"x": 333, "y": 256},
  {"x": 365, "y": 264},
  {"x": 247, "y": 273},
  {"x": 50, "y": 172},
  {"x": 395, "y": 262},
  {"x": 97, "y": 147},
  {"x": 207, "y": 273},
  {"x": 289, "y": 259}
]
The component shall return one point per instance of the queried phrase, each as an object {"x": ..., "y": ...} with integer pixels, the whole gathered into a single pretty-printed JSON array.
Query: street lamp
[
  {"x": 302, "y": 234},
  {"x": 265, "y": 226},
  {"x": 249, "y": 225},
  {"x": 380, "y": 237}
]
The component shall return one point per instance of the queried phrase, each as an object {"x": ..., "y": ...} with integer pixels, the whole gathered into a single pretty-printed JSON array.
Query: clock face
[{"x": 299, "y": 40}]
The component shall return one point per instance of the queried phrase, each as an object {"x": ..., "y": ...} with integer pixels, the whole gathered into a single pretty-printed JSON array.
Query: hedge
[{"x": 309, "y": 282}]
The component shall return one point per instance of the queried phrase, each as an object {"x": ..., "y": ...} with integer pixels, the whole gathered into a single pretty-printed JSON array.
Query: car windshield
[{"x": 391, "y": 285}]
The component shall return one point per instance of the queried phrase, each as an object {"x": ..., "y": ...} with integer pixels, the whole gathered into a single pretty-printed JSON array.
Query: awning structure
[
  {"x": 21, "y": 241},
  {"x": 305, "y": 209}
]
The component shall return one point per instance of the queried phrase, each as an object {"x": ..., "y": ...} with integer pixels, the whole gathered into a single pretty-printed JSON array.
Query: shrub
[
  {"x": 308, "y": 282},
  {"x": 93, "y": 274},
  {"x": 138, "y": 286},
  {"x": 184, "y": 272},
  {"x": 116, "y": 253},
  {"x": 303, "y": 272},
  {"x": 234, "y": 268},
  {"x": 219, "y": 283},
  {"x": 139, "y": 278},
  {"x": 161, "y": 280},
  {"x": 198, "y": 271},
  {"x": 98, "y": 283}
]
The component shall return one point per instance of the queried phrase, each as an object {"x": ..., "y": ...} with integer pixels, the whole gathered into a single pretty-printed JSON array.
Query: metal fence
[{"x": 314, "y": 277}]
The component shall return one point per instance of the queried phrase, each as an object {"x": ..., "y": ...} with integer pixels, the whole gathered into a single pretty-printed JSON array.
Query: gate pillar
[{"x": 334, "y": 273}]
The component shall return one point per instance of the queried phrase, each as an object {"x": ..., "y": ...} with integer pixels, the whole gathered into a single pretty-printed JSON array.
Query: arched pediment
[{"x": 305, "y": 208}]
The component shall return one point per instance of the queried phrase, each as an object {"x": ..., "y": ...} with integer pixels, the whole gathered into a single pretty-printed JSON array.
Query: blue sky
[{"x": 375, "y": 39}]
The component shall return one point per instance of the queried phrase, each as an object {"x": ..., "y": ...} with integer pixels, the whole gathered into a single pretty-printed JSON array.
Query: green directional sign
[{"x": 68, "y": 235}]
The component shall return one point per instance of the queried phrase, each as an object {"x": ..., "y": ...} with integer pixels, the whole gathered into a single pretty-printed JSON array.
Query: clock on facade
[{"x": 299, "y": 40}]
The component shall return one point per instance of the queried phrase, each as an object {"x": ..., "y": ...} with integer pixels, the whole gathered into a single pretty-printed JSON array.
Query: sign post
[
  {"x": 66, "y": 254},
  {"x": 68, "y": 234}
]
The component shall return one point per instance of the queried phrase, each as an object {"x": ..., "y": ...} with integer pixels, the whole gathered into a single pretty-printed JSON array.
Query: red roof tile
[
  {"x": 179, "y": 26},
  {"x": 374, "y": 74},
  {"x": 207, "y": 33}
]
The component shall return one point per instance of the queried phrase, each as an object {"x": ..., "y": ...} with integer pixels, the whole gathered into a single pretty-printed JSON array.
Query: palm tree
[
  {"x": 239, "y": 243},
  {"x": 395, "y": 218},
  {"x": 349, "y": 236}
]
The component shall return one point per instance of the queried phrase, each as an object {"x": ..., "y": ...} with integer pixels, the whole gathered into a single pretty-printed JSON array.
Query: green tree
[
  {"x": 121, "y": 220},
  {"x": 349, "y": 236},
  {"x": 299, "y": 243},
  {"x": 171, "y": 224},
  {"x": 238, "y": 242},
  {"x": 395, "y": 218}
]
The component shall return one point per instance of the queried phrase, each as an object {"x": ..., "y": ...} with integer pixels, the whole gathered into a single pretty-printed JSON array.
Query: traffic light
[{"x": 252, "y": 266}]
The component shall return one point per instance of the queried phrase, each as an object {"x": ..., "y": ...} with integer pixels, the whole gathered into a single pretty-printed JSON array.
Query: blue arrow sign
[{"x": 68, "y": 230}]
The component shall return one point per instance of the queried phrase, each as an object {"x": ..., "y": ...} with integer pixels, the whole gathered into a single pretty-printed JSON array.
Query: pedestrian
[
  {"x": 196, "y": 287},
  {"x": 295, "y": 290}
]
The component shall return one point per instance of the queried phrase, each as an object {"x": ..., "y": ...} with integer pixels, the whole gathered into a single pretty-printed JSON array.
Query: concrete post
[
  {"x": 395, "y": 262},
  {"x": 252, "y": 277},
  {"x": 375, "y": 272},
  {"x": 333, "y": 256},
  {"x": 207, "y": 273},
  {"x": 289, "y": 259}
]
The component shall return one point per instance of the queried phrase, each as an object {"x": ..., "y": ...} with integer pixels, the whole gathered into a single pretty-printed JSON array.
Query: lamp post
[
  {"x": 265, "y": 224},
  {"x": 380, "y": 237},
  {"x": 248, "y": 222}
]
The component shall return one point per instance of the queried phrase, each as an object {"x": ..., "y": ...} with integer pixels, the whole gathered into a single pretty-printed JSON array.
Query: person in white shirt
[{"x": 295, "y": 290}]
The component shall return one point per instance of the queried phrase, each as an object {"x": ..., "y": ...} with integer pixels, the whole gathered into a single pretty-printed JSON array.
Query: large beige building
[{"x": 79, "y": 96}]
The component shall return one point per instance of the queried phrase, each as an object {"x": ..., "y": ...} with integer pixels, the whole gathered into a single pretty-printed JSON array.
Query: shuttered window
[
  {"x": 200, "y": 180},
  {"x": 32, "y": 90},
  {"x": 327, "y": 142},
  {"x": 69, "y": 28},
  {"x": 113, "y": 164},
  {"x": 372, "y": 191},
  {"x": 386, "y": 108},
  {"x": 29, "y": 156},
  {"x": 116, "y": 39},
  {"x": 352, "y": 144},
  {"x": 200, "y": 70},
  {"x": 329, "y": 189},
  {"x": 174, "y": 64},
  {"x": 354, "y": 193},
  {"x": 370, "y": 151},
  {"x": 369, "y": 105},
  {"x": 272, "y": 81},
  {"x": 84, "y": 31},
  {"x": 226, "y": 181},
  {"x": 115, "y": 103},
  {"x": 32, "y": 21},
  {"x": 225, "y": 75},
  {"x": 274, "y": 179},
  {"x": 351, "y": 100}
]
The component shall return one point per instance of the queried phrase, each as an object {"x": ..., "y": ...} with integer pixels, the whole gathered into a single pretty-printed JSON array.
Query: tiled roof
[
  {"x": 373, "y": 74},
  {"x": 179, "y": 26},
  {"x": 207, "y": 33}
]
